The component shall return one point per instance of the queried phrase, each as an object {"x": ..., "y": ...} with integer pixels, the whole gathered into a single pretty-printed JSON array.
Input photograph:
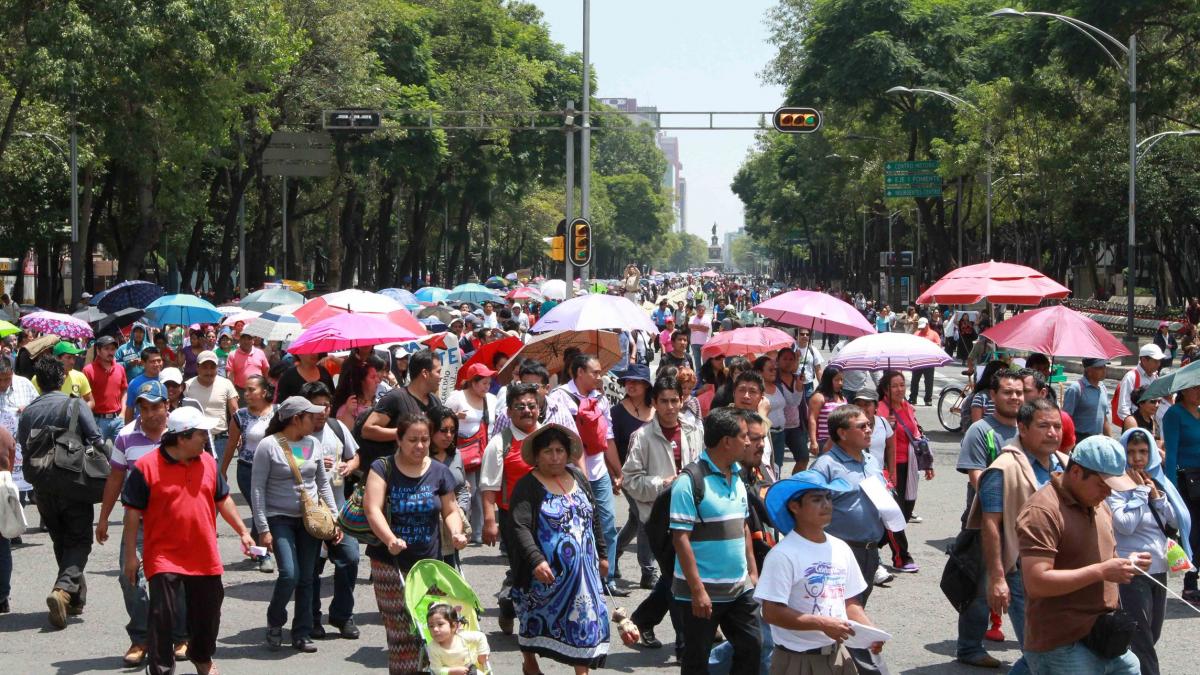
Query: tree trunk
[
  {"x": 196, "y": 248},
  {"x": 385, "y": 274},
  {"x": 350, "y": 237},
  {"x": 10, "y": 118},
  {"x": 148, "y": 232}
]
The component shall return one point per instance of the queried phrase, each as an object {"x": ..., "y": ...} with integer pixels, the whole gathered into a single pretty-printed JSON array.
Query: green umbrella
[
  {"x": 1184, "y": 378},
  {"x": 7, "y": 328}
]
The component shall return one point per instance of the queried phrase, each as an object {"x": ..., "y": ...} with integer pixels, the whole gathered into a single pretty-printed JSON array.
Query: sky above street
[{"x": 682, "y": 55}]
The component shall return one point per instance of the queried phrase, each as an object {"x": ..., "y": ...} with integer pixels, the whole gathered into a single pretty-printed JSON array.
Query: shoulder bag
[
  {"x": 919, "y": 446},
  {"x": 353, "y": 516},
  {"x": 58, "y": 460},
  {"x": 317, "y": 517}
]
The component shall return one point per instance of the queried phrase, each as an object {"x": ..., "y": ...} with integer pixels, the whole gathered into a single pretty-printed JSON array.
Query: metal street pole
[
  {"x": 282, "y": 271},
  {"x": 1131, "y": 71},
  {"x": 77, "y": 252},
  {"x": 568, "y": 274},
  {"x": 241, "y": 229},
  {"x": 585, "y": 158},
  {"x": 991, "y": 151}
]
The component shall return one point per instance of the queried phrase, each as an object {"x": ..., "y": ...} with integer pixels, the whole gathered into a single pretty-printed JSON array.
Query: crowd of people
[{"x": 761, "y": 488}]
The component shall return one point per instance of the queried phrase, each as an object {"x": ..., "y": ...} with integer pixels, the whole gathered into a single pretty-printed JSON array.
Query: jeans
[
  {"x": 5, "y": 568},
  {"x": 973, "y": 621},
  {"x": 204, "y": 596},
  {"x": 1075, "y": 659},
  {"x": 137, "y": 605},
  {"x": 635, "y": 527},
  {"x": 696, "y": 360},
  {"x": 738, "y": 619},
  {"x": 109, "y": 426},
  {"x": 218, "y": 448},
  {"x": 918, "y": 375},
  {"x": 1193, "y": 507},
  {"x": 1145, "y": 601},
  {"x": 296, "y": 556},
  {"x": 720, "y": 659},
  {"x": 606, "y": 513},
  {"x": 244, "y": 471},
  {"x": 344, "y": 556},
  {"x": 778, "y": 446},
  {"x": 70, "y": 526}
]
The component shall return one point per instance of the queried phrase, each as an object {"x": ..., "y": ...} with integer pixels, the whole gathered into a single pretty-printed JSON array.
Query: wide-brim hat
[
  {"x": 576, "y": 448},
  {"x": 789, "y": 488}
]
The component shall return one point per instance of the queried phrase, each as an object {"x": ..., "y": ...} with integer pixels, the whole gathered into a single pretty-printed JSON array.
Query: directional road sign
[
  {"x": 923, "y": 179},
  {"x": 922, "y": 166},
  {"x": 290, "y": 153},
  {"x": 913, "y": 192}
]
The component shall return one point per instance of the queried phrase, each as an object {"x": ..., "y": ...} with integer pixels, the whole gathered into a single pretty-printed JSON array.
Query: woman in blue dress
[{"x": 558, "y": 557}]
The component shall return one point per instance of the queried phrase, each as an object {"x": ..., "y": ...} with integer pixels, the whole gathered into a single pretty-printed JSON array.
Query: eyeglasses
[
  {"x": 446, "y": 430},
  {"x": 863, "y": 426},
  {"x": 524, "y": 406}
]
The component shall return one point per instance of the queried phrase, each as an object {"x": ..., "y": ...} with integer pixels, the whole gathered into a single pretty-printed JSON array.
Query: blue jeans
[
  {"x": 606, "y": 512},
  {"x": 137, "y": 605},
  {"x": 218, "y": 448},
  {"x": 696, "y": 362},
  {"x": 296, "y": 556},
  {"x": 720, "y": 659},
  {"x": 109, "y": 427},
  {"x": 244, "y": 471},
  {"x": 973, "y": 621},
  {"x": 5, "y": 568},
  {"x": 778, "y": 447},
  {"x": 1075, "y": 659},
  {"x": 344, "y": 556}
]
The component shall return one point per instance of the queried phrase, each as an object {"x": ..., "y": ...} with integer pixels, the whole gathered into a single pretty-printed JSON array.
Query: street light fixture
[
  {"x": 1151, "y": 141},
  {"x": 959, "y": 101},
  {"x": 1129, "y": 71}
]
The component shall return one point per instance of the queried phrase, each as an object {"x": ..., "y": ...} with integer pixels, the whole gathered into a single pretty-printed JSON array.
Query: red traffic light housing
[
  {"x": 797, "y": 120},
  {"x": 580, "y": 249}
]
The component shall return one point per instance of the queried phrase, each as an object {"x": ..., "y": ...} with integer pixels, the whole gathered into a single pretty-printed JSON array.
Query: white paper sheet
[
  {"x": 865, "y": 636},
  {"x": 875, "y": 490}
]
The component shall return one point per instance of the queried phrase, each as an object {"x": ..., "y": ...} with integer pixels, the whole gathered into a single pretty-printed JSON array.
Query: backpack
[
  {"x": 658, "y": 522},
  {"x": 1116, "y": 399},
  {"x": 58, "y": 461},
  {"x": 591, "y": 424}
]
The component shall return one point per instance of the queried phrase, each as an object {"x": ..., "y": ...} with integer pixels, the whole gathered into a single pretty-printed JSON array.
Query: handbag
[
  {"x": 1111, "y": 634},
  {"x": 1188, "y": 481},
  {"x": 353, "y": 516},
  {"x": 12, "y": 515},
  {"x": 471, "y": 448},
  {"x": 317, "y": 517},
  {"x": 58, "y": 460},
  {"x": 919, "y": 447}
]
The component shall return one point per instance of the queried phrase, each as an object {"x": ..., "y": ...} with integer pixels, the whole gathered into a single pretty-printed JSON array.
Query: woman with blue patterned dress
[{"x": 558, "y": 557}]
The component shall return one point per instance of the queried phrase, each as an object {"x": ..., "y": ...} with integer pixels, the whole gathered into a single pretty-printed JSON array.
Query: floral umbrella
[{"x": 62, "y": 325}]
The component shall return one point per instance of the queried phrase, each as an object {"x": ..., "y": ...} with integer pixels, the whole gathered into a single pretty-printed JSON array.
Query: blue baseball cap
[
  {"x": 788, "y": 489},
  {"x": 152, "y": 391},
  {"x": 1105, "y": 456}
]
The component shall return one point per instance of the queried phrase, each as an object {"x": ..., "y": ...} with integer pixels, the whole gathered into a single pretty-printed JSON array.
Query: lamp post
[
  {"x": 1129, "y": 70},
  {"x": 987, "y": 140},
  {"x": 1151, "y": 141}
]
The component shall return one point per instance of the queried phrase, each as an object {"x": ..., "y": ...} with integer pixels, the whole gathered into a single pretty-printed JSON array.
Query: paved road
[{"x": 912, "y": 607}]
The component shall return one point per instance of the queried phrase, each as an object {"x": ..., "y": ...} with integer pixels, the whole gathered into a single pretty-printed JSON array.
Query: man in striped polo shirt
[{"x": 715, "y": 572}]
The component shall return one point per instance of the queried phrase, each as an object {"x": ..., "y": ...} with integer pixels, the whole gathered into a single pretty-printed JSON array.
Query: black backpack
[
  {"x": 58, "y": 460},
  {"x": 658, "y": 523}
]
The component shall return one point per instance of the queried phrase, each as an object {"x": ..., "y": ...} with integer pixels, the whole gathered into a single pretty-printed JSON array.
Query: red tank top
[{"x": 515, "y": 469}]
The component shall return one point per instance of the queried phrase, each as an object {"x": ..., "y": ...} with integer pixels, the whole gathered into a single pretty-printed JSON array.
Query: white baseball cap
[
  {"x": 186, "y": 418},
  {"x": 170, "y": 375},
  {"x": 1152, "y": 351}
]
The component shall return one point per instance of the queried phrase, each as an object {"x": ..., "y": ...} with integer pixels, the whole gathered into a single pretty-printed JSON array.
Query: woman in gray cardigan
[{"x": 275, "y": 500}]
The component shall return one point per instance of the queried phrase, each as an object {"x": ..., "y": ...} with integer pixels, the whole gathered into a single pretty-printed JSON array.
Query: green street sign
[
  {"x": 913, "y": 192},
  {"x": 923, "y": 165},
  {"x": 928, "y": 179}
]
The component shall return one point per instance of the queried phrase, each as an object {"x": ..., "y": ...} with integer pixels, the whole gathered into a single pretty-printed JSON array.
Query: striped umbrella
[
  {"x": 891, "y": 351},
  {"x": 275, "y": 325}
]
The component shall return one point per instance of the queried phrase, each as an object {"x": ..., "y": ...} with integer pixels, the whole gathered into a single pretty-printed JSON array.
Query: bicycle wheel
[{"x": 949, "y": 408}]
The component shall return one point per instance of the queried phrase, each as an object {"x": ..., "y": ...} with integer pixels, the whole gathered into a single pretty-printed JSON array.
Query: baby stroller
[{"x": 433, "y": 581}]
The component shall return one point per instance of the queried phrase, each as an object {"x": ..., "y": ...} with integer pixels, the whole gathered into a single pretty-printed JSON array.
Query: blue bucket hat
[
  {"x": 635, "y": 371},
  {"x": 789, "y": 488}
]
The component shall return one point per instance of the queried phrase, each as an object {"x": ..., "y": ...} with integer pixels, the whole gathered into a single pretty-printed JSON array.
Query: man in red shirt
[
  {"x": 246, "y": 360},
  {"x": 174, "y": 493},
  {"x": 109, "y": 386}
]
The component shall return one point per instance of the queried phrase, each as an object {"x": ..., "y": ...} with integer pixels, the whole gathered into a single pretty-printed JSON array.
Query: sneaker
[
  {"x": 74, "y": 610},
  {"x": 882, "y": 576},
  {"x": 57, "y": 601},
  {"x": 266, "y": 565},
  {"x": 348, "y": 630},
  {"x": 611, "y": 589},
  {"x": 304, "y": 645},
  {"x": 909, "y": 568},
  {"x": 649, "y": 641},
  {"x": 135, "y": 656},
  {"x": 181, "y": 650},
  {"x": 274, "y": 638},
  {"x": 649, "y": 579},
  {"x": 916, "y": 519}
]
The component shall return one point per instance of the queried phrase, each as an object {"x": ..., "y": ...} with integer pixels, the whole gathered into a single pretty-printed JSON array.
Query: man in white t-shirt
[
  {"x": 810, "y": 582},
  {"x": 216, "y": 395}
]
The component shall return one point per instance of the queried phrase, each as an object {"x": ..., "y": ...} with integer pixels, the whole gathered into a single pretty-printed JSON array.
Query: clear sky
[{"x": 682, "y": 55}]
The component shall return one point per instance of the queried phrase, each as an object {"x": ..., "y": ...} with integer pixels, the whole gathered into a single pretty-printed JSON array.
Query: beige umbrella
[{"x": 549, "y": 348}]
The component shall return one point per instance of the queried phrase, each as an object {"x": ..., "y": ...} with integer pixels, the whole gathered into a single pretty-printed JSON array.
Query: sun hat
[
  {"x": 635, "y": 371},
  {"x": 1105, "y": 456},
  {"x": 576, "y": 448},
  {"x": 789, "y": 488}
]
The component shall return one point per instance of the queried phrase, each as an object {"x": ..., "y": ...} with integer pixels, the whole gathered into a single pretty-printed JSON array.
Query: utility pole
[
  {"x": 586, "y": 137},
  {"x": 77, "y": 251},
  {"x": 283, "y": 267},
  {"x": 569, "y": 127}
]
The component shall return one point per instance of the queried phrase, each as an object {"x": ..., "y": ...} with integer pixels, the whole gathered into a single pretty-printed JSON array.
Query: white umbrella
[{"x": 554, "y": 289}]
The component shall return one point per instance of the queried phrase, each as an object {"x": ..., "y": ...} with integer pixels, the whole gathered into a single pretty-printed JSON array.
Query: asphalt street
[{"x": 912, "y": 607}]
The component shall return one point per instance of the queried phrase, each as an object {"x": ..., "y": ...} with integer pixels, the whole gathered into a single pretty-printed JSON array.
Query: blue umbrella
[
  {"x": 431, "y": 294},
  {"x": 132, "y": 293},
  {"x": 472, "y": 293},
  {"x": 181, "y": 310},
  {"x": 402, "y": 296},
  {"x": 433, "y": 323}
]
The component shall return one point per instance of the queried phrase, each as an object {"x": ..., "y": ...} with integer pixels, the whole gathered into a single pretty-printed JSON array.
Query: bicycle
[{"x": 949, "y": 407}]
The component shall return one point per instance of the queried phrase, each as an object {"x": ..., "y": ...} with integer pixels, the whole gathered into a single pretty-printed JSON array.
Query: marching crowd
[{"x": 757, "y": 572}]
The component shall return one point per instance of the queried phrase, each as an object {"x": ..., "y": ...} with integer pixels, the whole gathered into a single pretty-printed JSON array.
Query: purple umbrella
[
  {"x": 892, "y": 351},
  {"x": 816, "y": 311},
  {"x": 595, "y": 312},
  {"x": 62, "y": 325}
]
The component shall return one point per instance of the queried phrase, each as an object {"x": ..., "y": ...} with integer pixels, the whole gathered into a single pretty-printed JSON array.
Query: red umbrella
[
  {"x": 485, "y": 354},
  {"x": 745, "y": 341},
  {"x": 813, "y": 310},
  {"x": 1056, "y": 331},
  {"x": 998, "y": 282}
]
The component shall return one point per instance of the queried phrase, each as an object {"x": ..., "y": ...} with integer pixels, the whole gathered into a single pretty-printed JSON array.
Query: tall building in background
[{"x": 672, "y": 181}]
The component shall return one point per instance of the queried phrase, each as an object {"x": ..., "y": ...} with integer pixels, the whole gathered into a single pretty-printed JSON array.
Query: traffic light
[
  {"x": 797, "y": 120},
  {"x": 581, "y": 242},
  {"x": 557, "y": 247}
]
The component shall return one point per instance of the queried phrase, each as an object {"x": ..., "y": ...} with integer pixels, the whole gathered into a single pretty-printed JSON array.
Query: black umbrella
[{"x": 104, "y": 322}]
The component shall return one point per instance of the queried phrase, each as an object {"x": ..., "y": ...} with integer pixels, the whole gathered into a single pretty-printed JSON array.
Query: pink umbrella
[
  {"x": 357, "y": 302},
  {"x": 891, "y": 351},
  {"x": 745, "y": 341},
  {"x": 998, "y": 282},
  {"x": 817, "y": 311},
  {"x": 347, "y": 331},
  {"x": 524, "y": 293},
  {"x": 709, "y": 274},
  {"x": 596, "y": 311},
  {"x": 1056, "y": 331},
  {"x": 243, "y": 315}
]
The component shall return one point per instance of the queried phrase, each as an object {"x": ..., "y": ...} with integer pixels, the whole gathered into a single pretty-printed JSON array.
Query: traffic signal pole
[
  {"x": 585, "y": 173},
  {"x": 568, "y": 272}
]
